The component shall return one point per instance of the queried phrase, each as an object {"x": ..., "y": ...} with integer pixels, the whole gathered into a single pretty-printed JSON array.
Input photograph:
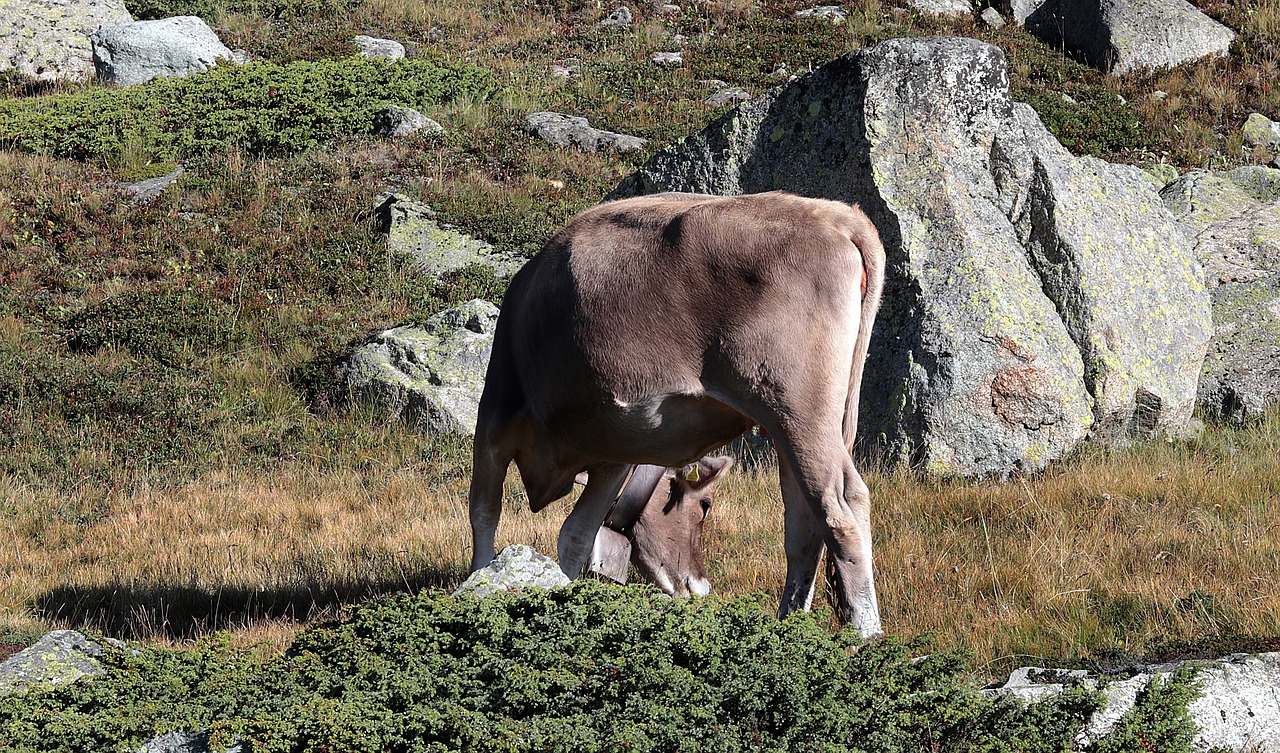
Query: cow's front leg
[
  {"x": 484, "y": 504},
  {"x": 578, "y": 533}
]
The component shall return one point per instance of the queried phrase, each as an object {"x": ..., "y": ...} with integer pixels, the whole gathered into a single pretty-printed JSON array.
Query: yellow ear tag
[{"x": 692, "y": 476}]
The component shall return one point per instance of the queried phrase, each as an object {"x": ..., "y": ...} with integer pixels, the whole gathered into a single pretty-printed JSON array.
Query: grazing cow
[
  {"x": 651, "y": 330},
  {"x": 656, "y": 525}
]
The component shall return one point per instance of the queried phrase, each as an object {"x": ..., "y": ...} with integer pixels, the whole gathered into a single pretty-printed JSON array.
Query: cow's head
[{"x": 664, "y": 541}]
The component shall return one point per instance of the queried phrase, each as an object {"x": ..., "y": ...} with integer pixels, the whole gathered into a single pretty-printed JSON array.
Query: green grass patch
[{"x": 584, "y": 669}]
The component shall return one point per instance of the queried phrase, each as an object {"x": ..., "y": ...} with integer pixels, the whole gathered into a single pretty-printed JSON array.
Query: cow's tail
[{"x": 863, "y": 235}]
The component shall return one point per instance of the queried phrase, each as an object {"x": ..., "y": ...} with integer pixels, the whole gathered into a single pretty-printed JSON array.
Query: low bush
[
  {"x": 211, "y": 9},
  {"x": 584, "y": 669},
  {"x": 262, "y": 108}
]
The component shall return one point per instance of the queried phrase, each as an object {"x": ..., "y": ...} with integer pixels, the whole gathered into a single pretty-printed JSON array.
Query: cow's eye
[{"x": 706, "y": 507}]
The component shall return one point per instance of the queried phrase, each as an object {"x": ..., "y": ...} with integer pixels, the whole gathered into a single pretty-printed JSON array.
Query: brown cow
[
  {"x": 656, "y": 525},
  {"x": 651, "y": 330}
]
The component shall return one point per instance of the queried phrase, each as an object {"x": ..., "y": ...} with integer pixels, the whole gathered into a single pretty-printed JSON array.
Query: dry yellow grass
[{"x": 1114, "y": 550}]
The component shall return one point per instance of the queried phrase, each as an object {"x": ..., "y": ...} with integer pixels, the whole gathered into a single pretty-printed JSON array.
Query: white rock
[
  {"x": 373, "y": 47},
  {"x": 134, "y": 53}
]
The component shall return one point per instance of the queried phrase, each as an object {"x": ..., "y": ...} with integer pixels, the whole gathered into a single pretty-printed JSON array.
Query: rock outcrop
[
  {"x": 48, "y": 40},
  {"x": 1238, "y": 708},
  {"x": 1030, "y": 295},
  {"x": 134, "y": 53},
  {"x": 59, "y": 657},
  {"x": 436, "y": 247},
  {"x": 1234, "y": 219},
  {"x": 429, "y": 376},
  {"x": 1119, "y": 36},
  {"x": 569, "y": 130}
]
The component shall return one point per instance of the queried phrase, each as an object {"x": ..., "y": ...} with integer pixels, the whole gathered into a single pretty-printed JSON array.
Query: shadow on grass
[{"x": 156, "y": 611}]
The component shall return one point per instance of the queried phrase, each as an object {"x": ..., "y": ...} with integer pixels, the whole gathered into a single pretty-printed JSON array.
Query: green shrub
[
  {"x": 263, "y": 108},
  {"x": 171, "y": 326},
  {"x": 584, "y": 669},
  {"x": 211, "y": 9}
]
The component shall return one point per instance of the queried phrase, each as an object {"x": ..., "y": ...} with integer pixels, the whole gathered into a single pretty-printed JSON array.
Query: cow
[
  {"x": 651, "y": 330},
  {"x": 656, "y": 524}
]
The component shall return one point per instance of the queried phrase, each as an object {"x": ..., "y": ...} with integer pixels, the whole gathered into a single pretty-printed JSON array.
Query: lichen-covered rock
[
  {"x": 832, "y": 14},
  {"x": 60, "y": 657},
  {"x": 569, "y": 130},
  {"x": 621, "y": 17},
  {"x": 943, "y": 7},
  {"x": 429, "y": 376},
  {"x": 516, "y": 567},
  {"x": 1241, "y": 377},
  {"x": 185, "y": 742},
  {"x": 436, "y": 247},
  {"x": 1120, "y": 36},
  {"x": 992, "y": 18},
  {"x": 396, "y": 122},
  {"x": 374, "y": 47},
  {"x": 134, "y": 53},
  {"x": 1126, "y": 284},
  {"x": 973, "y": 369},
  {"x": 143, "y": 191},
  {"x": 1259, "y": 130},
  {"x": 1234, "y": 217},
  {"x": 49, "y": 39},
  {"x": 1238, "y": 708}
]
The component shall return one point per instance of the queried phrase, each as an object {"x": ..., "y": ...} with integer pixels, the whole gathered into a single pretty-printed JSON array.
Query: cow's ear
[{"x": 707, "y": 471}]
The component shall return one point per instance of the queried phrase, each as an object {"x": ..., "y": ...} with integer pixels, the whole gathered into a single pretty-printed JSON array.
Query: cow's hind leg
[
  {"x": 488, "y": 473},
  {"x": 578, "y": 534},
  {"x": 803, "y": 543},
  {"x": 822, "y": 472}
]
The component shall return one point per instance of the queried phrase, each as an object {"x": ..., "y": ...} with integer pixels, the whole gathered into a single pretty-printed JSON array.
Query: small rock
[
  {"x": 727, "y": 96},
  {"x": 1161, "y": 174},
  {"x": 677, "y": 39},
  {"x": 566, "y": 69},
  {"x": 147, "y": 190},
  {"x": 1259, "y": 130},
  {"x": 373, "y": 47},
  {"x": 667, "y": 59},
  {"x": 400, "y": 122},
  {"x": 516, "y": 567},
  {"x": 621, "y": 16},
  {"x": 184, "y": 742},
  {"x": 943, "y": 7},
  {"x": 568, "y": 130},
  {"x": 1159, "y": 95},
  {"x": 670, "y": 9},
  {"x": 992, "y": 18},
  {"x": 60, "y": 657},
  {"x": 832, "y": 14}
]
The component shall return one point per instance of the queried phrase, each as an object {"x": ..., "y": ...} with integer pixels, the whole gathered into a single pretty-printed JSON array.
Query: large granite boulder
[
  {"x": 1234, "y": 218},
  {"x": 430, "y": 376},
  {"x": 49, "y": 39},
  {"x": 1119, "y": 36},
  {"x": 59, "y": 657},
  {"x": 1009, "y": 310},
  {"x": 134, "y": 53},
  {"x": 436, "y": 247}
]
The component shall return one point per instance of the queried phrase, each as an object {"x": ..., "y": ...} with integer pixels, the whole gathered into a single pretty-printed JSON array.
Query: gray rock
[
  {"x": 833, "y": 14},
  {"x": 1126, "y": 284},
  {"x": 973, "y": 369},
  {"x": 667, "y": 59},
  {"x": 1160, "y": 174},
  {"x": 1120, "y": 36},
  {"x": 436, "y": 247},
  {"x": 60, "y": 657},
  {"x": 373, "y": 47},
  {"x": 401, "y": 122},
  {"x": 48, "y": 40},
  {"x": 992, "y": 18},
  {"x": 566, "y": 69},
  {"x": 516, "y": 567},
  {"x": 568, "y": 130},
  {"x": 1241, "y": 377},
  {"x": 144, "y": 191},
  {"x": 1021, "y": 9},
  {"x": 1259, "y": 130},
  {"x": 943, "y": 7},
  {"x": 1234, "y": 219},
  {"x": 727, "y": 96},
  {"x": 185, "y": 742},
  {"x": 428, "y": 376},
  {"x": 134, "y": 53},
  {"x": 620, "y": 17},
  {"x": 1238, "y": 708}
]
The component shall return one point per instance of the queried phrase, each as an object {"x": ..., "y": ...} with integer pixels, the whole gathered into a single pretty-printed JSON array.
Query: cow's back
[{"x": 656, "y": 296}]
